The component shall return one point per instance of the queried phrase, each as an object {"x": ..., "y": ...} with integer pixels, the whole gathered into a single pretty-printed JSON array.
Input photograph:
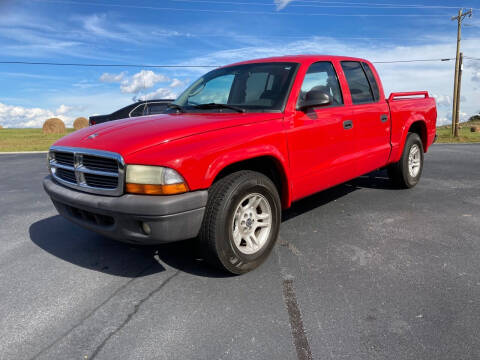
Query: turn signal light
[{"x": 152, "y": 189}]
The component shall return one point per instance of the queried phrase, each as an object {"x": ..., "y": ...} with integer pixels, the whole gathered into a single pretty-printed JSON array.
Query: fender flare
[
  {"x": 397, "y": 150},
  {"x": 222, "y": 162}
]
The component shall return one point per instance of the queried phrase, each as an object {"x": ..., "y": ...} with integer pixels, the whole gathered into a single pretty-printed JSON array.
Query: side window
[
  {"x": 357, "y": 82},
  {"x": 322, "y": 75},
  {"x": 138, "y": 111},
  {"x": 213, "y": 91},
  {"x": 372, "y": 80}
]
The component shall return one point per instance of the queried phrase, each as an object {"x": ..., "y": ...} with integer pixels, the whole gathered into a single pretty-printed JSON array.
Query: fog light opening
[{"x": 146, "y": 228}]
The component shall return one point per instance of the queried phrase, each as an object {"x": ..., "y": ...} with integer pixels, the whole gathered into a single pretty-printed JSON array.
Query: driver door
[{"x": 321, "y": 139}]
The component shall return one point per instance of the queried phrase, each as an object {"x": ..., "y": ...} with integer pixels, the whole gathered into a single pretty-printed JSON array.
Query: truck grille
[
  {"x": 105, "y": 182},
  {"x": 64, "y": 158},
  {"x": 67, "y": 175},
  {"x": 98, "y": 163},
  {"x": 93, "y": 171}
]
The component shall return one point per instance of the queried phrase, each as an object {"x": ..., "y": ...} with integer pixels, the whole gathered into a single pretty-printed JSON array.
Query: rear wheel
[
  {"x": 241, "y": 222},
  {"x": 406, "y": 173}
]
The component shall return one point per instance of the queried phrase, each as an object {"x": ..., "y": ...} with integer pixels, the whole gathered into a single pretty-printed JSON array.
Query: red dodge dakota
[{"x": 239, "y": 145}]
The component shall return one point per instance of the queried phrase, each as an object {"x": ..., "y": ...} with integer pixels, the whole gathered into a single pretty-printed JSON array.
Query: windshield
[{"x": 250, "y": 87}]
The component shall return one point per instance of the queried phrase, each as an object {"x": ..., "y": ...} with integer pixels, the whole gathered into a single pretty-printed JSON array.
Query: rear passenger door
[{"x": 370, "y": 116}]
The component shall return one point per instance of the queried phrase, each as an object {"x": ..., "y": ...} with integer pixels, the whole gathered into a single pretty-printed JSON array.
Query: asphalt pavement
[{"x": 361, "y": 271}]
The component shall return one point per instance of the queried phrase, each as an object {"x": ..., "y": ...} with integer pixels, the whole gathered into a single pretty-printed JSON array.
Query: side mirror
[{"x": 315, "y": 98}]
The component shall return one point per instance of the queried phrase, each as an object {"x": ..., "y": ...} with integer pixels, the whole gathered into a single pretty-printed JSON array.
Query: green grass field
[
  {"x": 35, "y": 140},
  {"x": 464, "y": 134},
  {"x": 27, "y": 139}
]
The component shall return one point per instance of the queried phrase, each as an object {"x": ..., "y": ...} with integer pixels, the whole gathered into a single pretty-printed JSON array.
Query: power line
[
  {"x": 229, "y": 35},
  {"x": 409, "y": 61},
  {"x": 105, "y": 65},
  {"x": 421, "y": 6},
  {"x": 240, "y": 12},
  {"x": 196, "y": 66},
  {"x": 323, "y": 4}
]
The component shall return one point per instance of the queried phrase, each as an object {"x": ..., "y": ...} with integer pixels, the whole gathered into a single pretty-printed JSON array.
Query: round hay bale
[
  {"x": 54, "y": 126},
  {"x": 1, "y": 127},
  {"x": 475, "y": 129},
  {"x": 80, "y": 123}
]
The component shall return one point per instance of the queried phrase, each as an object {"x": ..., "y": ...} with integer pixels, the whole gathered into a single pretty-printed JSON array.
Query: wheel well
[
  {"x": 419, "y": 127},
  {"x": 268, "y": 166}
]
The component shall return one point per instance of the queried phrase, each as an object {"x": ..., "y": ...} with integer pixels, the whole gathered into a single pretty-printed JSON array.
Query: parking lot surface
[{"x": 360, "y": 271}]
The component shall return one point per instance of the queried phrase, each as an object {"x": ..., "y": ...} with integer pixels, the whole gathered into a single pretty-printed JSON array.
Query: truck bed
[{"x": 407, "y": 106}]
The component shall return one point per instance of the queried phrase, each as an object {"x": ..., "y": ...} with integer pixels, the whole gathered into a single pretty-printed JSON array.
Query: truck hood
[{"x": 135, "y": 134}]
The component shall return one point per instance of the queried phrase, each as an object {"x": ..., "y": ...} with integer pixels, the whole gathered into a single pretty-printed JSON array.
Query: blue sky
[{"x": 215, "y": 32}]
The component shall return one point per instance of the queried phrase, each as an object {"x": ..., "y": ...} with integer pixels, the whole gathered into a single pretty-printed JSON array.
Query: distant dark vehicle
[{"x": 140, "y": 108}]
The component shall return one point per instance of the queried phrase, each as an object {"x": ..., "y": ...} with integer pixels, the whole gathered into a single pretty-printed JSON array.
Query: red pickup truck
[{"x": 239, "y": 145}]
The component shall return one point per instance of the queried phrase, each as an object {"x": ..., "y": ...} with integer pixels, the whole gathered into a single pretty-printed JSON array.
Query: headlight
[{"x": 154, "y": 180}]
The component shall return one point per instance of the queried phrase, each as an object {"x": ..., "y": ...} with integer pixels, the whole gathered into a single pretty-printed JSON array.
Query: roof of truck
[{"x": 300, "y": 59}]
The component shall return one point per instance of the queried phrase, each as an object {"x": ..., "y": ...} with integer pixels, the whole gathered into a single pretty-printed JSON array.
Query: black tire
[
  {"x": 399, "y": 172},
  {"x": 216, "y": 235}
]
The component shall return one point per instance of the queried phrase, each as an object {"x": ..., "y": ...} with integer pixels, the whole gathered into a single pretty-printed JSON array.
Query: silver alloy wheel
[
  {"x": 252, "y": 223},
  {"x": 414, "y": 160}
]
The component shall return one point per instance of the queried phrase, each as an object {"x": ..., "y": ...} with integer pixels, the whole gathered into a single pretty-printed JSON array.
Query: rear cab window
[
  {"x": 372, "y": 81},
  {"x": 358, "y": 83}
]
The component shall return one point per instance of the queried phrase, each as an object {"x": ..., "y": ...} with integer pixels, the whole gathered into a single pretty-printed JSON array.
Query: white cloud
[
  {"x": 282, "y": 3},
  {"x": 96, "y": 25},
  {"x": 33, "y": 36},
  {"x": 443, "y": 121},
  {"x": 177, "y": 83},
  {"x": 464, "y": 116},
  {"x": 90, "y": 102},
  {"x": 475, "y": 66},
  {"x": 63, "y": 109},
  {"x": 160, "y": 93},
  {"x": 142, "y": 80},
  {"x": 23, "y": 117},
  {"x": 112, "y": 78},
  {"x": 443, "y": 100}
]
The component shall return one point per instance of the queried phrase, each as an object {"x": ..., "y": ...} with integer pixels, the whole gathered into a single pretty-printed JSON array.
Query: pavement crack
[
  {"x": 84, "y": 318},
  {"x": 132, "y": 314},
  {"x": 296, "y": 324}
]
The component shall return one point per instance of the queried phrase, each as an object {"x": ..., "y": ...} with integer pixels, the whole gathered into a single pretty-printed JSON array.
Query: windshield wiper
[
  {"x": 175, "y": 106},
  {"x": 219, "y": 106}
]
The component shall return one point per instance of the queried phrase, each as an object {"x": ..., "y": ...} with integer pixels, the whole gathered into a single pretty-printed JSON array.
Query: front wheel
[
  {"x": 406, "y": 173},
  {"x": 241, "y": 222}
]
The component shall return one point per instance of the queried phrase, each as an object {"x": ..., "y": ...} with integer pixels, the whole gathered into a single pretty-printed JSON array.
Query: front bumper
[{"x": 170, "y": 218}]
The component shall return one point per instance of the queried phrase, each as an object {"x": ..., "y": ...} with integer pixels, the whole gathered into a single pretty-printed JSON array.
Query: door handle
[
  {"x": 348, "y": 124},
  {"x": 383, "y": 117}
]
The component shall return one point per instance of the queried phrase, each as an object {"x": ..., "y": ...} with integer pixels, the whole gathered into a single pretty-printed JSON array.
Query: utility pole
[
  {"x": 456, "y": 98},
  {"x": 459, "y": 86}
]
